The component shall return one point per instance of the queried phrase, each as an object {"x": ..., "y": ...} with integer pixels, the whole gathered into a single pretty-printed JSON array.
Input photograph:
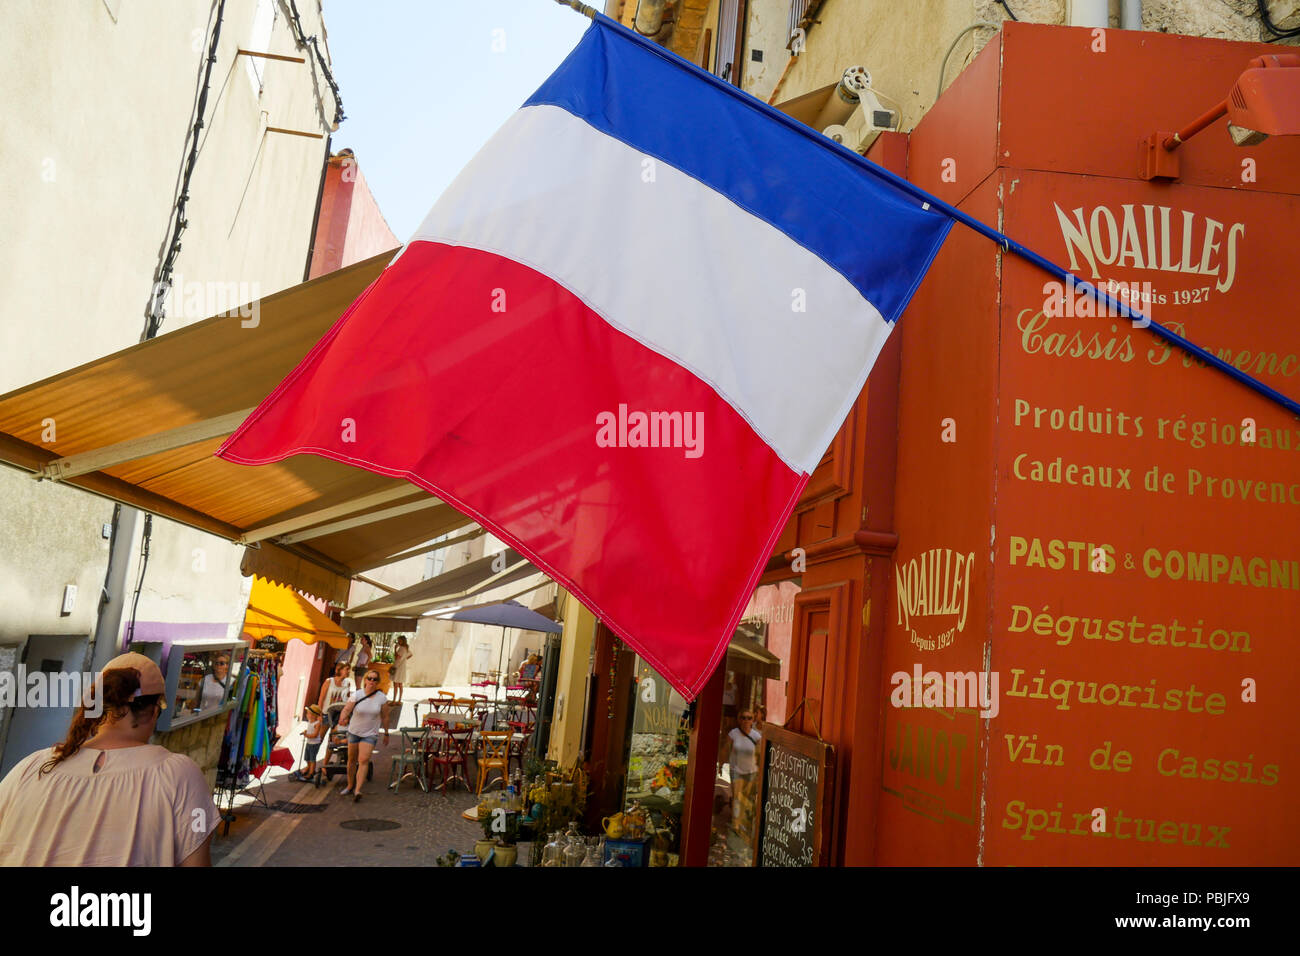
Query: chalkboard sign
[{"x": 795, "y": 784}]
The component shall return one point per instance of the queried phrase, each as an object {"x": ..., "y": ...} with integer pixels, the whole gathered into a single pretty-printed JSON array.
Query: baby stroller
[{"x": 336, "y": 755}]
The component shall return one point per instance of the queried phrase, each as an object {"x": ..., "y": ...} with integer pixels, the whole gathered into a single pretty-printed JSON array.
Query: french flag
[{"x": 622, "y": 340}]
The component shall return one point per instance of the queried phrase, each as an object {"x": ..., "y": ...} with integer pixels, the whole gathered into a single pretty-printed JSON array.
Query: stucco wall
[
  {"x": 766, "y": 33},
  {"x": 98, "y": 107},
  {"x": 351, "y": 226}
]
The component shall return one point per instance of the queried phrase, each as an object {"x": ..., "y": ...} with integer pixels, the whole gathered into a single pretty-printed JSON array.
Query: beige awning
[
  {"x": 806, "y": 107},
  {"x": 526, "y": 587},
  {"x": 450, "y": 587},
  {"x": 745, "y": 655},
  {"x": 140, "y": 427}
]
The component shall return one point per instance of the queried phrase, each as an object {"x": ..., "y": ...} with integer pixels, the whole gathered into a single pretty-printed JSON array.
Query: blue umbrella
[{"x": 506, "y": 614}]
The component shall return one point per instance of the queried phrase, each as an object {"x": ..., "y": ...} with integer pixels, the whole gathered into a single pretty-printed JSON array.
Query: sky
[{"x": 425, "y": 83}]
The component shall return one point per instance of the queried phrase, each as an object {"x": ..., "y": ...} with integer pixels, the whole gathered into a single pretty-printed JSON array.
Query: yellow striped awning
[{"x": 282, "y": 613}]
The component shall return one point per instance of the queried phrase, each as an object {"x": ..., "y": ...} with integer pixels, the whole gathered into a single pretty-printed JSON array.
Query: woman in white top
[
  {"x": 105, "y": 796},
  {"x": 364, "y": 717},
  {"x": 213, "y": 691},
  {"x": 364, "y": 653},
  {"x": 401, "y": 654},
  {"x": 742, "y": 756},
  {"x": 336, "y": 692}
]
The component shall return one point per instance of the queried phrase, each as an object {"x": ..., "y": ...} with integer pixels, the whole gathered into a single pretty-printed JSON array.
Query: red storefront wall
[
  {"x": 922, "y": 487},
  {"x": 1196, "y": 594}
]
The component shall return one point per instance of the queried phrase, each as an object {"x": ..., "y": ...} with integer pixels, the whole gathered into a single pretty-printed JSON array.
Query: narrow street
[{"x": 404, "y": 828}]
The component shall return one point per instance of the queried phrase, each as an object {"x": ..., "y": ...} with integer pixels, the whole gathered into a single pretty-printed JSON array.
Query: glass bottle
[
  {"x": 553, "y": 855},
  {"x": 576, "y": 849}
]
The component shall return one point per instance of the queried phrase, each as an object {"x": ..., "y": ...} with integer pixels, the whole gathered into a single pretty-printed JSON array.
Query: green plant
[
  {"x": 503, "y": 831},
  {"x": 535, "y": 767},
  {"x": 450, "y": 858}
]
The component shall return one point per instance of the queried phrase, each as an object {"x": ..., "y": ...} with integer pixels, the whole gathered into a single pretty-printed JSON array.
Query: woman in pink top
[{"x": 105, "y": 796}]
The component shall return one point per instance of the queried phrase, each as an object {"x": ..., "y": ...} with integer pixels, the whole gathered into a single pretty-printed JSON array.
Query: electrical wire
[
  {"x": 1271, "y": 28},
  {"x": 890, "y": 99},
  {"x": 943, "y": 67},
  {"x": 163, "y": 278},
  {"x": 295, "y": 23},
  {"x": 1003, "y": 5}
]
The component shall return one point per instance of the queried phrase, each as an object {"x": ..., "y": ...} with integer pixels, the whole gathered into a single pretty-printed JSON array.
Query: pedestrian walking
[
  {"x": 401, "y": 654},
  {"x": 364, "y": 655},
  {"x": 105, "y": 796},
  {"x": 742, "y": 752},
  {"x": 364, "y": 716}
]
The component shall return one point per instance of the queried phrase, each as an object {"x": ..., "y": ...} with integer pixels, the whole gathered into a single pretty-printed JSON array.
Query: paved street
[{"x": 426, "y": 824}]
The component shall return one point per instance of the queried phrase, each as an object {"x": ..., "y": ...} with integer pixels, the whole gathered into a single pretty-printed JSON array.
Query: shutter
[{"x": 727, "y": 62}]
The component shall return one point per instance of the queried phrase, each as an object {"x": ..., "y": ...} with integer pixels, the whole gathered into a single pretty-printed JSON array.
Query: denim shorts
[
  {"x": 354, "y": 739},
  {"x": 310, "y": 750}
]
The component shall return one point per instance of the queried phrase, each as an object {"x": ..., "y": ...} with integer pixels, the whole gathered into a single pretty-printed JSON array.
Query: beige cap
[{"x": 151, "y": 678}]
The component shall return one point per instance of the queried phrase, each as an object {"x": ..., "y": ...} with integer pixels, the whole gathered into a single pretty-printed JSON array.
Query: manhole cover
[
  {"x": 370, "y": 825},
  {"x": 287, "y": 806}
]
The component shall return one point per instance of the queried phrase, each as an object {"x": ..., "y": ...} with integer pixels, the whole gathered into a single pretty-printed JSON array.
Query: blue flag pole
[{"x": 1064, "y": 276}]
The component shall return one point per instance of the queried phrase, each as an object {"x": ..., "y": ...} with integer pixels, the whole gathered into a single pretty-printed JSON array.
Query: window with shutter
[
  {"x": 726, "y": 63},
  {"x": 802, "y": 16}
]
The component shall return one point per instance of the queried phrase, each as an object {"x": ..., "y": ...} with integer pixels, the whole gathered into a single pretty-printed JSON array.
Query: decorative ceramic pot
[{"x": 507, "y": 855}]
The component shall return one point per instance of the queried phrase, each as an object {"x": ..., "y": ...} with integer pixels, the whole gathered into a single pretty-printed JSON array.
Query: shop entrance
[{"x": 34, "y": 727}]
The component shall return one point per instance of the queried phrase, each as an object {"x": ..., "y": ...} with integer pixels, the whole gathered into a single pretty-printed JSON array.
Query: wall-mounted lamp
[{"x": 1265, "y": 101}]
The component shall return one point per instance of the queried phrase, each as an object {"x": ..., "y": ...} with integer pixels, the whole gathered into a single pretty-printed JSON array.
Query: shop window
[
  {"x": 754, "y": 695},
  {"x": 658, "y": 745}
]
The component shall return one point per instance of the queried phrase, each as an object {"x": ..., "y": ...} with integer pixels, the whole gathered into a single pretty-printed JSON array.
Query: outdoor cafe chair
[
  {"x": 480, "y": 706},
  {"x": 494, "y": 755},
  {"x": 522, "y": 708},
  {"x": 521, "y": 733},
  {"x": 452, "y": 756},
  {"x": 415, "y": 753}
]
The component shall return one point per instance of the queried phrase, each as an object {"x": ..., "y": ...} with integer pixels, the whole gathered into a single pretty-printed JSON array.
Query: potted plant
[
  {"x": 500, "y": 835},
  {"x": 383, "y": 663}
]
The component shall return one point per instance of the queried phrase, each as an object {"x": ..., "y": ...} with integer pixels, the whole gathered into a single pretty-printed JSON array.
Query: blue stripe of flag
[{"x": 880, "y": 239}]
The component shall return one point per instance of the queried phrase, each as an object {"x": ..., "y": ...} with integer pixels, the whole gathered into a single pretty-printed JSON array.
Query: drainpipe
[
  {"x": 1089, "y": 13},
  {"x": 315, "y": 219},
  {"x": 112, "y": 603},
  {"x": 1130, "y": 14},
  {"x": 649, "y": 18}
]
